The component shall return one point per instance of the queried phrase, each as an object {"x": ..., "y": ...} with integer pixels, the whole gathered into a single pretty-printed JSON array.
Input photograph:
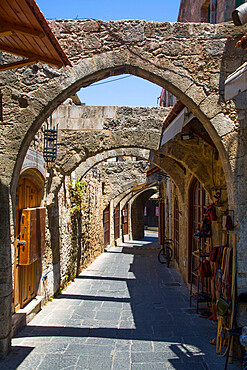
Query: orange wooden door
[{"x": 26, "y": 278}]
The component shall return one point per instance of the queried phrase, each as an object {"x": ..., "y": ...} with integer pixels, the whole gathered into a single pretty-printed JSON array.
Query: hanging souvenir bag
[
  {"x": 210, "y": 213},
  {"x": 222, "y": 307},
  {"x": 214, "y": 254},
  {"x": 204, "y": 269},
  {"x": 206, "y": 228}
]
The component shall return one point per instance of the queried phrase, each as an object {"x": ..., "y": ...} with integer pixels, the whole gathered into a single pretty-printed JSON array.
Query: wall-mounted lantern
[
  {"x": 188, "y": 136},
  {"x": 50, "y": 142}
]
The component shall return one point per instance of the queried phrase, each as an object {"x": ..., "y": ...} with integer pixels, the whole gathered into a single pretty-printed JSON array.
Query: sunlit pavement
[{"x": 126, "y": 311}]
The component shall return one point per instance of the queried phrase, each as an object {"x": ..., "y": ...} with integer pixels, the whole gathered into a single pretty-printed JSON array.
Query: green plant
[
  {"x": 60, "y": 290},
  {"x": 77, "y": 193}
]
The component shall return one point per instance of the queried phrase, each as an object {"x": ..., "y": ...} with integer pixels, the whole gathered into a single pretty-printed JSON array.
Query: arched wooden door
[{"x": 29, "y": 194}]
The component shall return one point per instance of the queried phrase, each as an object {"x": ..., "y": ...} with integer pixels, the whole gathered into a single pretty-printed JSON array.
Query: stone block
[
  {"x": 222, "y": 124},
  {"x": 5, "y": 345}
]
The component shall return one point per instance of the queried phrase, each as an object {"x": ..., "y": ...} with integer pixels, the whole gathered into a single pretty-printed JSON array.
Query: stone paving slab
[{"x": 125, "y": 311}]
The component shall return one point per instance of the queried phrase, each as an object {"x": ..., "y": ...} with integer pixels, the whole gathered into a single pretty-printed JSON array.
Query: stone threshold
[{"x": 23, "y": 316}]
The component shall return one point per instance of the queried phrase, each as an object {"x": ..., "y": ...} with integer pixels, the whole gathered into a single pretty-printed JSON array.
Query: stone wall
[
  {"x": 137, "y": 213},
  {"x": 73, "y": 242},
  {"x": 92, "y": 130},
  {"x": 192, "y": 61}
]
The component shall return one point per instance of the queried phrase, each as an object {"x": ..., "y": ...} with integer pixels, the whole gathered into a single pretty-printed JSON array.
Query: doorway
[{"x": 29, "y": 194}]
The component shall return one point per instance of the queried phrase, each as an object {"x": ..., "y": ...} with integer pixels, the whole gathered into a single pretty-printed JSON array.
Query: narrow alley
[{"x": 125, "y": 311}]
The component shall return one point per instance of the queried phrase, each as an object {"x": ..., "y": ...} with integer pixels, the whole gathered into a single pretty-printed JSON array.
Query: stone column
[{"x": 5, "y": 270}]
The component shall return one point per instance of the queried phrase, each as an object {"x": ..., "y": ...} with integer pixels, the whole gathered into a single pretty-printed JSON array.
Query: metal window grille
[{"x": 50, "y": 142}]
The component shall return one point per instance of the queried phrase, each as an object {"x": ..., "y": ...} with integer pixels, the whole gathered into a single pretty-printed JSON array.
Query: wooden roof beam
[
  {"x": 6, "y": 32},
  {"x": 26, "y": 54},
  {"x": 14, "y": 29},
  {"x": 21, "y": 63}
]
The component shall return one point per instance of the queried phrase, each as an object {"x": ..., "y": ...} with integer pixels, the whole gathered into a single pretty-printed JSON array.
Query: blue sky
[{"x": 131, "y": 91}]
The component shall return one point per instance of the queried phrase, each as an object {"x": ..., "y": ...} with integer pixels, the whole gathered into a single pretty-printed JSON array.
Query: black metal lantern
[{"x": 50, "y": 142}]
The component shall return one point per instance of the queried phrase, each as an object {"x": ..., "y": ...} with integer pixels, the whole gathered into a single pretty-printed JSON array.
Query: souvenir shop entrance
[{"x": 212, "y": 265}]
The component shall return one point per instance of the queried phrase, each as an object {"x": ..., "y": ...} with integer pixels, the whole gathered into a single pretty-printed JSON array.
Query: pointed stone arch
[
  {"x": 169, "y": 55},
  {"x": 178, "y": 57}
]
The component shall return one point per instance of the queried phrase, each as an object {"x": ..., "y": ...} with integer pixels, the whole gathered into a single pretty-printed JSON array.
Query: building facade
[{"x": 207, "y": 11}]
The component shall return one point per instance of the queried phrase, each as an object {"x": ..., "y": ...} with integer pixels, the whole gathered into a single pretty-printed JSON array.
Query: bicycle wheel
[{"x": 162, "y": 256}]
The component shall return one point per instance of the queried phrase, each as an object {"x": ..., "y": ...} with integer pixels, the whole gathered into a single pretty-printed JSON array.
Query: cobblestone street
[{"x": 125, "y": 311}]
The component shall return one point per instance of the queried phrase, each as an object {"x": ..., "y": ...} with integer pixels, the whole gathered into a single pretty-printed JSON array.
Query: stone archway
[
  {"x": 128, "y": 195},
  {"x": 137, "y": 213},
  {"x": 179, "y": 57},
  {"x": 108, "y": 154},
  {"x": 167, "y": 164},
  {"x": 170, "y": 55}
]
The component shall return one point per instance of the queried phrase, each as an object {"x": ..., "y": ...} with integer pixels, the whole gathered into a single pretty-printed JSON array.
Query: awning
[
  {"x": 236, "y": 82},
  {"x": 25, "y": 32},
  {"x": 174, "y": 128}
]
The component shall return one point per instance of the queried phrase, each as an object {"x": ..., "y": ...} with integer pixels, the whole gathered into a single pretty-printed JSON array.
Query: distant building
[
  {"x": 207, "y": 11},
  {"x": 201, "y": 11}
]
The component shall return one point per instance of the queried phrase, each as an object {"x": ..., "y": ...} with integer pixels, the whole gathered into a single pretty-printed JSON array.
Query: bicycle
[{"x": 165, "y": 254}]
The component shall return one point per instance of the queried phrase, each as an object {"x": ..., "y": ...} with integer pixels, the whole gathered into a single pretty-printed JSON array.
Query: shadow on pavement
[{"x": 154, "y": 316}]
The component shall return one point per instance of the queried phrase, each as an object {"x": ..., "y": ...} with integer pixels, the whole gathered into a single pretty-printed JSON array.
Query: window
[
  {"x": 170, "y": 99},
  {"x": 205, "y": 12},
  {"x": 238, "y": 3},
  {"x": 208, "y": 15},
  {"x": 198, "y": 202}
]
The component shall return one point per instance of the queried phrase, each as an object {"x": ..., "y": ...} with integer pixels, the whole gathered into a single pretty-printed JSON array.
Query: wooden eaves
[{"x": 25, "y": 32}]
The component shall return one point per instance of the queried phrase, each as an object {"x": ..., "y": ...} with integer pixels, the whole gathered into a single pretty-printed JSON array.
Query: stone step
[{"x": 22, "y": 317}]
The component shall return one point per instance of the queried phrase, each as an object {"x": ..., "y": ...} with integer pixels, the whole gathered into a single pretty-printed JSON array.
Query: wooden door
[
  {"x": 126, "y": 219},
  {"x": 26, "y": 278},
  {"x": 106, "y": 225},
  {"x": 198, "y": 204},
  {"x": 117, "y": 222},
  {"x": 176, "y": 230}
]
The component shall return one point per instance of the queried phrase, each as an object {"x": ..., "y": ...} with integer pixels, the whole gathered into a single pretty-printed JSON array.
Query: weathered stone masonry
[
  {"x": 190, "y": 60},
  {"x": 73, "y": 242},
  {"x": 119, "y": 127}
]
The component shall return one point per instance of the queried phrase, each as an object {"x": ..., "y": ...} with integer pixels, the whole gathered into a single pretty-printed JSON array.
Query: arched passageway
[
  {"x": 137, "y": 214},
  {"x": 145, "y": 52},
  {"x": 138, "y": 53}
]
